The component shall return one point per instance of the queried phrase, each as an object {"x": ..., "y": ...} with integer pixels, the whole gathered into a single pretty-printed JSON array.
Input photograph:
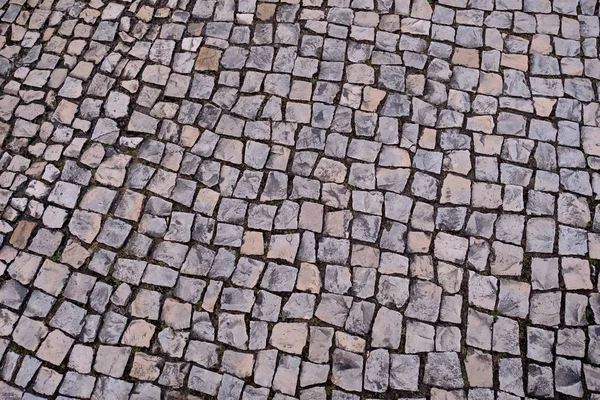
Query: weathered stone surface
[
  {"x": 299, "y": 200},
  {"x": 443, "y": 370}
]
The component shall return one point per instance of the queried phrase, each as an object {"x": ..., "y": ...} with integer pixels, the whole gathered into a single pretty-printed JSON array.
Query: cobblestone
[{"x": 292, "y": 199}]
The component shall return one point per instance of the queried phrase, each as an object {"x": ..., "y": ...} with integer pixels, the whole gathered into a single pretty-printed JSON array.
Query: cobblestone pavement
[{"x": 311, "y": 199}]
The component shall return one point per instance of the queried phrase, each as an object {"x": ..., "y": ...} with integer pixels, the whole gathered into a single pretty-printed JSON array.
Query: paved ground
[{"x": 300, "y": 199}]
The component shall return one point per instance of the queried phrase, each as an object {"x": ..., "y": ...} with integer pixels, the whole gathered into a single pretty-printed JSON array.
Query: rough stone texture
[{"x": 307, "y": 200}]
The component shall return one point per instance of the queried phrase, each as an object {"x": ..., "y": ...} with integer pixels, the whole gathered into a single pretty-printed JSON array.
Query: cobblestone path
[{"x": 299, "y": 199}]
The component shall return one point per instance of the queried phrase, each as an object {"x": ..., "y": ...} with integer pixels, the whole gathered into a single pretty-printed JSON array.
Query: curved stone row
[{"x": 299, "y": 199}]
